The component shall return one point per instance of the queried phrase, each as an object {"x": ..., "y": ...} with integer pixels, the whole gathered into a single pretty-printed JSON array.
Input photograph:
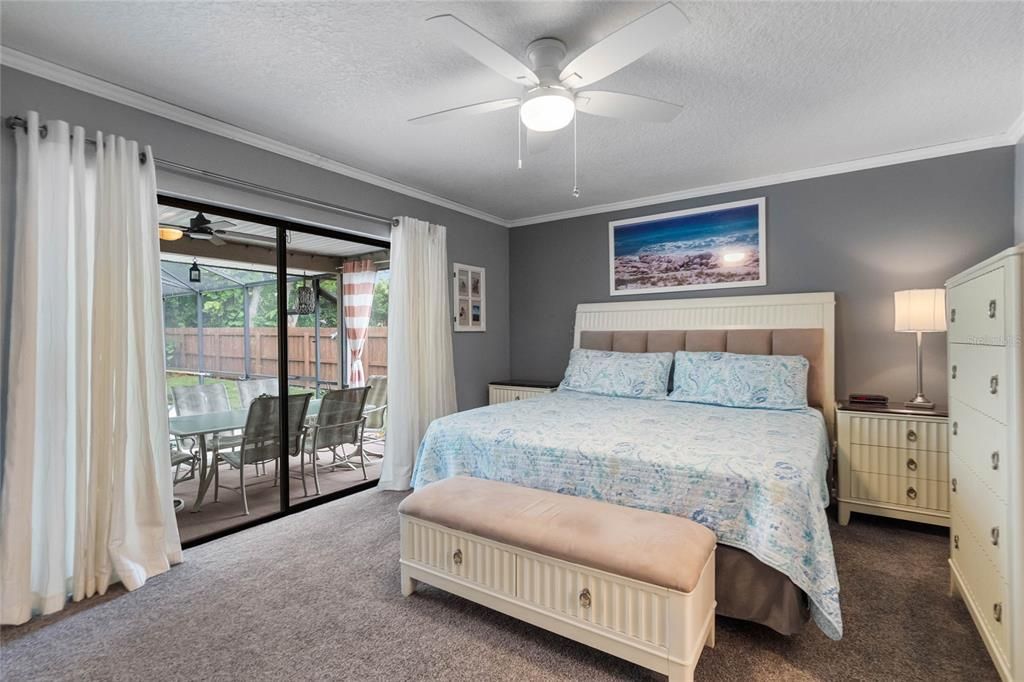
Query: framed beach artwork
[
  {"x": 710, "y": 247},
  {"x": 469, "y": 289}
]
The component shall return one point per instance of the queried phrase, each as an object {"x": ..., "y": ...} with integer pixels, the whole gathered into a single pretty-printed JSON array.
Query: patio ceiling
[{"x": 297, "y": 241}]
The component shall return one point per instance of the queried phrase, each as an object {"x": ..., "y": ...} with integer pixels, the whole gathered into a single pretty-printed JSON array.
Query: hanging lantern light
[
  {"x": 193, "y": 272},
  {"x": 306, "y": 299}
]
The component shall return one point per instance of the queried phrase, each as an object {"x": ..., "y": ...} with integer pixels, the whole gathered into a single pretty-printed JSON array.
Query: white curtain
[
  {"x": 357, "y": 280},
  {"x": 421, "y": 370},
  {"x": 86, "y": 497}
]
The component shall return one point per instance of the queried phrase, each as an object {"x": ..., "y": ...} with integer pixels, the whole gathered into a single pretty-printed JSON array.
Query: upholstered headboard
[{"x": 789, "y": 324}]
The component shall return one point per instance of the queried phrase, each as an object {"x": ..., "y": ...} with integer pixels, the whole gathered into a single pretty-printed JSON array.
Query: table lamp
[{"x": 920, "y": 311}]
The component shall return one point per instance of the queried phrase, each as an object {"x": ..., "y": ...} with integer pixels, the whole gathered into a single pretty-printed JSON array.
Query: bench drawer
[
  {"x": 624, "y": 606},
  {"x": 460, "y": 555}
]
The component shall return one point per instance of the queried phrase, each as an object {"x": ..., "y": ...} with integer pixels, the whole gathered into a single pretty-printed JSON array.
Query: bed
[{"x": 756, "y": 477}]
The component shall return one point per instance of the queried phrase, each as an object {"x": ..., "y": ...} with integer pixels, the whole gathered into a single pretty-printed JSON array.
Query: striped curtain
[{"x": 357, "y": 279}]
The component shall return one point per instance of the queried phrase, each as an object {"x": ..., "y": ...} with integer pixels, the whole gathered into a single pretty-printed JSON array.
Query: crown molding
[
  {"x": 1010, "y": 137},
  {"x": 1016, "y": 132},
  {"x": 63, "y": 75},
  {"x": 95, "y": 86}
]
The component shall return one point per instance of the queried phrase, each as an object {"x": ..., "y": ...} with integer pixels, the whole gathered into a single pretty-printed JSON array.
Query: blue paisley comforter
[{"x": 755, "y": 477}]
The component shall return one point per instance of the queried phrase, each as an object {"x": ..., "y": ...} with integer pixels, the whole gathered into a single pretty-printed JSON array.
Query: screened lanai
[{"x": 221, "y": 325}]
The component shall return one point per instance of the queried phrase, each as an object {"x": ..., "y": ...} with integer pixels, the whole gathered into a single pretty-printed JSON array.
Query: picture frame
[
  {"x": 709, "y": 247},
  {"x": 469, "y": 296}
]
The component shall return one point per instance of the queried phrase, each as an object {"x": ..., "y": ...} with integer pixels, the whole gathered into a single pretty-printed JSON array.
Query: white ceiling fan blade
[
  {"x": 467, "y": 110},
  {"x": 483, "y": 49},
  {"x": 623, "y": 47},
  {"x": 537, "y": 143},
  {"x": 621, "y": 105}
]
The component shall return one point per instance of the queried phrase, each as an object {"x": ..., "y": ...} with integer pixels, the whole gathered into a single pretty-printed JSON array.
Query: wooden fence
[{"x": 224, "y": 351}]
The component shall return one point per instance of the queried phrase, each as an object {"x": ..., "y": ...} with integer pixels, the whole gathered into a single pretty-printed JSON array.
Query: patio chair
[
  {"x": 250, "y": 389},
  {"x": 340, "y": 422},
  {"x": 261, "y": 437},
  {"x": 202, "y": 399},
  {"x": 376, "y": 411}
]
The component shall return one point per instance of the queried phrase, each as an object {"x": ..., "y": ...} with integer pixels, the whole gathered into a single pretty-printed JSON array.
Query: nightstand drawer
[
  {"x": 899, "y": 432},
  {"x": 980, "y": 442},
  {"x": 906, "y": 491},
  {"x": 498, "y": 393},
  {"x": 977, "y": 311},
  {"x": 977, "y": 377},
  {"x": 984, "y": 513},
  {"x": 919, "y": 464}
]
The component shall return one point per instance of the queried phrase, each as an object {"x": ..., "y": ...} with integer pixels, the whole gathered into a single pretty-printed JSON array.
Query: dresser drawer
[
  {"x": 978, "y": 378},
  {"x": 981, "y": 511},
  {"x": 977, "y": 310},
  {"x": 919, "y": 464},
  {"x": 980, "y": 442},
  {"x": 618, "y": 604},
  {"x": 903, "y": 490},
  {"x": 898, "y": 432},
  {"x": 987, "y": 590},
  {"x": 457, "y": 554}
]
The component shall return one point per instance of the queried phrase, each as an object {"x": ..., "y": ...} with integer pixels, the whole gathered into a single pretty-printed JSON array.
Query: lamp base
[{"x": 920, "y": 402}]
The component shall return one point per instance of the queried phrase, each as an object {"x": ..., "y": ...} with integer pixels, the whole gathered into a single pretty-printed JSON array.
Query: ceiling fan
[
  {"x": 553, "y": 93},
  {"x": 216, "y": 232}
]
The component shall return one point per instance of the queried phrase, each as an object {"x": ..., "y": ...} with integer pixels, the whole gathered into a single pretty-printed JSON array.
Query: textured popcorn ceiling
[{"x": 768, "y": 87}]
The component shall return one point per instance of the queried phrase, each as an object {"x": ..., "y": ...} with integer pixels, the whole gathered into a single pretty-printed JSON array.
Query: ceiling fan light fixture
[
  {"x": 170, "y": 234},
  {"x": 547, "y": 108}
]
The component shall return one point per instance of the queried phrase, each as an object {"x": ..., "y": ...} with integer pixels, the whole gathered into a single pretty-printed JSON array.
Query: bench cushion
[{"x": 654, "y": 548}]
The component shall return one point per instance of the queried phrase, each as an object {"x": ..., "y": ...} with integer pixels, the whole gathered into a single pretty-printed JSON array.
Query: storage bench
[{"x": 636, "y": 584}]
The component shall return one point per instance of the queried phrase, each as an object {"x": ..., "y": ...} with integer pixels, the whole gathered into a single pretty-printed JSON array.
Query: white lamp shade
[{"x": 920, "y": 310}]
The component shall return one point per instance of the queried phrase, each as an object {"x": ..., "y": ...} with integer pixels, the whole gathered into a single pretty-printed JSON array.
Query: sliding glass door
[{"x": 267, "y": 319}]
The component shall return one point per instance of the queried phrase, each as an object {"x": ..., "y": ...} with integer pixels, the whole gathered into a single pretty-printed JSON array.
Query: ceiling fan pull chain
[
  {"x": 575, "y": 181},
  {"x": 519, "y": 132}
]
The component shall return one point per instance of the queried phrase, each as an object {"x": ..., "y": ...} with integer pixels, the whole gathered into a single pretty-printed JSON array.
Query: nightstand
[
  {"x": 514, "y": 389},
  {"x": 893, "y": 461}
]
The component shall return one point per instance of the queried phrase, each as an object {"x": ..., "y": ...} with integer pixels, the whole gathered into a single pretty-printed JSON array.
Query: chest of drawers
[
  {"x": 986, "y": 439},
  {"x": 893, "y": 461}
]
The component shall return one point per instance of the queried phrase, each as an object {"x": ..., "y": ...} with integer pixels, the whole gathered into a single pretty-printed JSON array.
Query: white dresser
[
  {"x": 507, "y": 391},
  {"x": 986, "y": 444}
]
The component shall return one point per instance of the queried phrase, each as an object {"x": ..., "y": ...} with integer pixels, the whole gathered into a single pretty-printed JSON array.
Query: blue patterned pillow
[
  {"x": 777, "y": 382},
  {"x": 626, "y": 375}
]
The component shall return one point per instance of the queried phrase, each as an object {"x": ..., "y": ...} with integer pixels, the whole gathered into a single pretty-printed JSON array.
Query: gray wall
[
  {"x": 862, "y": 235},
  {"x": 479, "y": 358},
  {"x": 1018, "y": 194}
]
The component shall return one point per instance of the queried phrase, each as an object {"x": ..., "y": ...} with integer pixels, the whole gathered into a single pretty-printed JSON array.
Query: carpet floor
[{"x": 315, "y": 596}]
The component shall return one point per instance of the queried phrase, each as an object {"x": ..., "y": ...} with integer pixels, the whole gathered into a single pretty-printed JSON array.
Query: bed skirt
[{"x": 748, "y": 589}]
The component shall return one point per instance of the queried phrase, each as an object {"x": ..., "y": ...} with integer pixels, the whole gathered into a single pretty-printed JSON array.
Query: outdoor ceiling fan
[
  {"x": 202, "y": 228},
  {"x": 553, "y": 93}
]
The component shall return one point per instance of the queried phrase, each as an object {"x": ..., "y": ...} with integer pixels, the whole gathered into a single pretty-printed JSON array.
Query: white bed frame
[{"x": 776, "y": 311}]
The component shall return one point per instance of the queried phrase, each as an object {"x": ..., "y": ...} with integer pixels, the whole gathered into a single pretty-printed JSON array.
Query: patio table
[{"x": 202, "y": 425}]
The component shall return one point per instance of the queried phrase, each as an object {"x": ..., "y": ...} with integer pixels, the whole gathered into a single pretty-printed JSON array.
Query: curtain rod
[{"x": 15, "y": 122}]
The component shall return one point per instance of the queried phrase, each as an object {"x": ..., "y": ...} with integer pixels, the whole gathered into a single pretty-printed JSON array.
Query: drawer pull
[
  {"x": 912, "y": 436},
  {"x": 995, "y": 535},
  {"x": 585, "y": 599},
  {"x": 953, "y": 482},
  {"x": 912, "y": 464},
  {"x": 953, "y": 373},
  {"x": 993, "y": 384},
  {"x": 956, "y": 428},
  {"x": 995, "y": 460},
  {"x": 992, "y": 309},
  {"x": 457, "y": 557},
  {"x": 952, "y": 314},
  {"x": 997, "y": 612},
  {"x": 911, "y": 493},
  {"x": 956, "y": 542}
]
